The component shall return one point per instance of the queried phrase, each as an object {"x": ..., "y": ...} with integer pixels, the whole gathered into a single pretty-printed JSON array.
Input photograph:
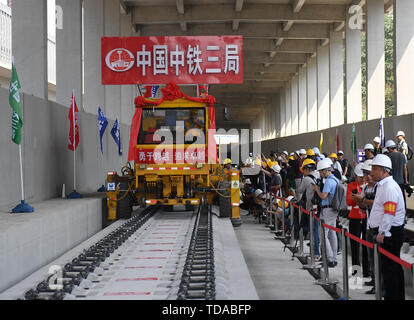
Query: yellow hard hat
[
  {"x": 291, "y": 158},
  {"x": 310, "y": 152},
  {"x": 272, "y": 163},
  {"x": 333, "y": 155},
  {"x": 306, "y": 163},
  {"x": 279, "y": 204},
  {"x": 258, "y": 162},
  {"x": 227, "y": 161}
]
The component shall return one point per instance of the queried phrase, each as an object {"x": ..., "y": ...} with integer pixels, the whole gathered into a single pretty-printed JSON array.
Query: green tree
[{"x": 390, "y": 109}]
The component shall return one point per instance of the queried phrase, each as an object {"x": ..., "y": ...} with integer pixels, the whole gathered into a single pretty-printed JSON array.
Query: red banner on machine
[
  {"x": 188, "y": 156},
  {"x": 182, "y": 60}
]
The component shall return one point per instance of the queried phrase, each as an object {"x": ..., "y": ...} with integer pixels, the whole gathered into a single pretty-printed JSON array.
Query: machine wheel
[
  {"x": 225, "y": 203},
  {"x": 124, "y": 206}
]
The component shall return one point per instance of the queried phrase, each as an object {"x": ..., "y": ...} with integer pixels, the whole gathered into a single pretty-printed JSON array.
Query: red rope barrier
[
  {"x": 361, "y": 241},
  {"x": 403, "y": 263},
  {"x": 331, "y": 228}
]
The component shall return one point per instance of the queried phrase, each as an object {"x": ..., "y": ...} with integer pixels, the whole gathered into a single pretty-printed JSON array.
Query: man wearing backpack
[{"x": 329, "y": 213}]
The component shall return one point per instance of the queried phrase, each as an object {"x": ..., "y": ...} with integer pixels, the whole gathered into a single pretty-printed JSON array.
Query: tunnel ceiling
[{"x": 278, "y": 37}]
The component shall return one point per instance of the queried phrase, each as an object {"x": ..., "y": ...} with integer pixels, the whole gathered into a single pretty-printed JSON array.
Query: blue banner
[
  {"x": 154, "y": 91},
  {"x": 116, "y": 134},
  {"x": 381, "y": 133},
  {"x": 103, "y": 123}
]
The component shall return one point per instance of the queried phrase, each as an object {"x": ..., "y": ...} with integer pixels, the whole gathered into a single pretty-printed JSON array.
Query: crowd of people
[{"x": 373, "y": 189}]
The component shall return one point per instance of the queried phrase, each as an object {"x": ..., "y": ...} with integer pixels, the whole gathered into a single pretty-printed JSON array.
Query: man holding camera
[
  {"x": 328, "y": 214},
  {"x": 387, "y": 220}
]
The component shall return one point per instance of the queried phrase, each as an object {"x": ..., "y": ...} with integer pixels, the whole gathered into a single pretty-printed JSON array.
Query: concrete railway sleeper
[
  {"x": 198, "y": 278},
  {"x": 78, "y": 269}
]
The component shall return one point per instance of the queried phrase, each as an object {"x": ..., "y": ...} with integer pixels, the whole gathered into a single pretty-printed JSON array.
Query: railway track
[{"x": 154, "y": 254}]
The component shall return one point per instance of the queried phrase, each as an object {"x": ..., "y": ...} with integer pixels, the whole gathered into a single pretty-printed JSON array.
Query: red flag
[
  {"x": 135, "y": 125},
  {"x": 337, "y": 141},
  {"x": 73, "y": 119},
  {"x": 148, "y": 93}
]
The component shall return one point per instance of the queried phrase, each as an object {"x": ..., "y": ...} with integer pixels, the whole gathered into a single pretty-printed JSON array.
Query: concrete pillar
[
  {"x": 404, "y": 55},
  {"x": 336, "y": 78},
  {"x": 29, "y": 45},
  {"x": 375, "y": 59},
  {"x": 69, "y": 54},
  {"x": 353, "y": 70},
  {"x": 127, "y": 92},
  {"x": 94, "y": 91},
  {"x": 112, "y": 29},
  {"x": 312, "y": 95},
  {"x": 288, "y": 109},
  {"x": 295, "y": 104},
  {"x": 323, "y": 87},
  {"x": 280, "y": 120},
  {"x": 303, "y": 114}
]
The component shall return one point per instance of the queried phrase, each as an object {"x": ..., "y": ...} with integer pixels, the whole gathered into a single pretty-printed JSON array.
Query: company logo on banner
[
  {"x": 182, "y": 60},
  {"x": 119, "y": 60}
]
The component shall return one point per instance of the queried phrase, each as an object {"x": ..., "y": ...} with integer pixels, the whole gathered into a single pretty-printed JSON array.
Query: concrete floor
[{"x": 275, "y": 275}]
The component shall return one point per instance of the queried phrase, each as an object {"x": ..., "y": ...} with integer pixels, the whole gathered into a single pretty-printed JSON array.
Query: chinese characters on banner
[
  {"x": 171, "y": 156},
  {"x": 182, "y": 60}
]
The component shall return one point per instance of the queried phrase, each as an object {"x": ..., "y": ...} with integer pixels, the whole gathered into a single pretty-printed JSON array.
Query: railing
[
  {"x": 6, "y": 44},
  {"x": 5, "y": 34}
]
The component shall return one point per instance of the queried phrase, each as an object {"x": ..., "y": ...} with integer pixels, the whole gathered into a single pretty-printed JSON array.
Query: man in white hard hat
[
  {"x": 399, "y": 166},
  {"x": 387, "y": 219},
  {"x": 377, "y": 145},
  {"x": 328, "y": 214},
  {"x": 402, "y": 144},
  {"x": 369, "y": 151}
]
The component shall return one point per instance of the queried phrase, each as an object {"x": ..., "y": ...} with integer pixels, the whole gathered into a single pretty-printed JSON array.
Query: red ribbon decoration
[{"x": 170, "y": 92}]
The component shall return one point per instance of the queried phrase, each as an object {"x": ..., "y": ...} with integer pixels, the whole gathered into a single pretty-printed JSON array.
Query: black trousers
[
  {"x": 358, "y": 227},
  {"x": 392, "y": 272}
]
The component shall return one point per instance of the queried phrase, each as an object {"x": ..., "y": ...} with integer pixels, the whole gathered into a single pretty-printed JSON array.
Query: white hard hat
[
  {"x": 292, "y": 153},
  {"x": 289, "y": 198},
  {"x": 297, "y": 152},
  {"x": 276, "y": 168},
  {"x": 286, "y": 153},
  {"x": 247, "y": 181},
  {"x": 382, "y": 160},
  {"x": 316, "y": 150},
  {"x": 366, "y": 165},
  {"x": 400, "y": 133},
  {"x": 321, "y": 156},
  {"x": 358, "y": 170},
  {"x": 340, "y": 152},
  {"x": 258, "y": 192},
  {"x": 328, "y": 160},
  {"x": 302, "y": 151},
  {"x": 390, "y": 144},
  {"x": 385, "y": 151},
  {"x": 377, "y": 140},
  {"x": 369, "y": 146},
  {"x": 323, "y": 164}
]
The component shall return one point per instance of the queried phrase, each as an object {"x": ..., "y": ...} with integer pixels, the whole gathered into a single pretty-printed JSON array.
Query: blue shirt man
[{"x": 329, "y": 187}]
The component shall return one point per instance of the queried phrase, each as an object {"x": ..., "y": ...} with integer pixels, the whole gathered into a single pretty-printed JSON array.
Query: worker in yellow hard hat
[
  {"x": 308, "y": 164},
  {"x": 333, "y": 156},
  {"x": 336, "y": 166},
  {"x": 227, "y": 164},
  {"x": 310, "y": 154}
]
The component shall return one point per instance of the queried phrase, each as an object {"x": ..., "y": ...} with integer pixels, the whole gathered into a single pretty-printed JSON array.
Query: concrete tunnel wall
[
  {"x": 48, "y": 163},
  {"x": 365, "y": 133}
]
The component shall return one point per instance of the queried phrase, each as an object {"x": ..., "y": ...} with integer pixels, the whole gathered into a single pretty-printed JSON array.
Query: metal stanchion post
[
  {"x": 377, "y": 273},
  {"x": 325, "y": 280},
  {"x": 312, "y": 264},
  {"x": 300, "y": 252},
  {"x": 277, "y": 231},
  {"x": 412, "y": 275},
  {"x": 344, "y": 265}
]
